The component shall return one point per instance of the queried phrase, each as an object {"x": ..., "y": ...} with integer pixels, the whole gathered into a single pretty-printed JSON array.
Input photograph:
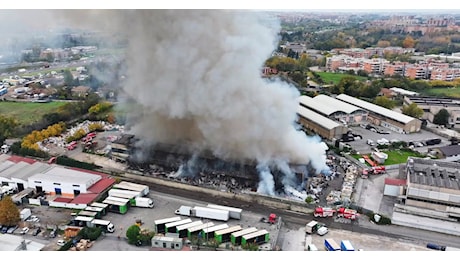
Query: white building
[{"x": 63, "y": 181}]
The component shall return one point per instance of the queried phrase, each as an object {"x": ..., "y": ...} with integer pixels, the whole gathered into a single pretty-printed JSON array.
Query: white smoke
[{"x": 196, "y": 78}]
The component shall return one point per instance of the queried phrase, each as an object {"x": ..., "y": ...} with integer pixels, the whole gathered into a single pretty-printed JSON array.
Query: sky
[{"x": 350, "y": 5}]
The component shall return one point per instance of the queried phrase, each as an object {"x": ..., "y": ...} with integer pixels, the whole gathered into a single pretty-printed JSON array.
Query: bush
[{"x": 66, "y": 161}]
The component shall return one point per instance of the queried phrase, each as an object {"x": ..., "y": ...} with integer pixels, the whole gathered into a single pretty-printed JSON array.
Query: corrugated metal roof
[
  {"x": 11, "y": 171},
  {"x": 311, "y": 103},
  {"x": 64, "y": 175},
  {"x": 376, "y": 109},
  {"x": 337, "y": 104},
  {"x": 450, "y": 150},
  {"x": 317, "y": 118}
]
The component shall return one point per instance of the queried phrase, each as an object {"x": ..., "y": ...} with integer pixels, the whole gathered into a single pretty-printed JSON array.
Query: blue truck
[
  {"x": 345, "y": 245},
  {"x": 331, "y": 245}
]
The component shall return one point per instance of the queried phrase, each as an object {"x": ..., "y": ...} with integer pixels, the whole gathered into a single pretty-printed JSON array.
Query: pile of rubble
[{"x": 82, "y": 245}]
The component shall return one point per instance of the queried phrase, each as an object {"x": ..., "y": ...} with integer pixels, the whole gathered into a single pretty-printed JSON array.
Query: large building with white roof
[
  {"x": 321, "y": 125},
  {"x": 70, "y": 187},
  {"x": 334, "y": 109},
  {"x": 63, "y": 181},
  {"x": 384, "y": 117}
]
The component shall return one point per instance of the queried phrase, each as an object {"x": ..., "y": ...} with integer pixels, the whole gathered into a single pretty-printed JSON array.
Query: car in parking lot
[
  {"x": 12, "y": 229},
  {"x": 4, "y": 229},
  {"x": 24, "y": 230},
  {"x": 33, "y": 218},
  {"x": 61, "y": 242},
  {"x": 37, "y": 231}
]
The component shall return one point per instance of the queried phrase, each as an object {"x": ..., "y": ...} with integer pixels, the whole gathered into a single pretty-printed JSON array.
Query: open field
[
  {"x": 394, "y": 156},
  {"x": 442, "y": 92},
  {"x": 28, "y": 112},
  {"x": 336, "y": 77}
]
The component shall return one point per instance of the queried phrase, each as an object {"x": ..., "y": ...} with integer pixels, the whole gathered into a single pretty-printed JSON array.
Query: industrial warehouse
[
  {"x": 64, "y": 187},
  {"x": 335, "y": 109},
  {"x": 432, "y": 105},
  {"x": 384, "y": 117},
  {"x": 428, "y": 196}
]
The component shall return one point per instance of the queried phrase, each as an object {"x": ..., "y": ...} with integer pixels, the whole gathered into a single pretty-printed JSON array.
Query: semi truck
[
  {"x": 203, "y": 212},
  {"x": 235, "y": 213}
]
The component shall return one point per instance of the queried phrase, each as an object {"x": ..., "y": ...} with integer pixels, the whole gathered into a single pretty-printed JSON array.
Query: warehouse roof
[
  {"x": 376, "y": 109},
  {"x": 311, "y": 103},
  {"x": 64, "y": 175},
  {"x": 317, "y": 118},
  {"x": 337, "y": 104},
  {"x": 434, "y": 173}
]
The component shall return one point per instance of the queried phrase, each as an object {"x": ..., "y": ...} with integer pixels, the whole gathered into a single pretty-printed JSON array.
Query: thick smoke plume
[{"x": 195, "y": 77}]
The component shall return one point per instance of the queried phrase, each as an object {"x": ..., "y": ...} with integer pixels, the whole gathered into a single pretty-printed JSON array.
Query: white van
[{"x": 322, "y": 231}]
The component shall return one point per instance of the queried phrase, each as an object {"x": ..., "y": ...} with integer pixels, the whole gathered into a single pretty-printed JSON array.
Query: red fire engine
[
  {"x": 347, "y": 213},
  {"x": 324, "y": 212}
]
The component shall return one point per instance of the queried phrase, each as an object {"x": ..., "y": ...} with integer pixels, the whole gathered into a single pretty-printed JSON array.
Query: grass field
[
  {"x": 28, "y": 112},
  {"x": 443, "y": 92},
  {"x": 394, "y": 156},
  {"x": 336, "y": 77}
]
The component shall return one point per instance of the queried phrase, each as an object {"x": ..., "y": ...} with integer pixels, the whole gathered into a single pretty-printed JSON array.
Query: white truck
[
  {"x": 125, "y": 185},
  {"x": 25, "y": 214},
  {"x": 135, "y": 197},
  {"x": 203, "y": 212},
  {"x": 143, "y": 202}
]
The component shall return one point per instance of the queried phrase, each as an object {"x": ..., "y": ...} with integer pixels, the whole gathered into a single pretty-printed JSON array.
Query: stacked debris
[{"x": 334, "y": 198}]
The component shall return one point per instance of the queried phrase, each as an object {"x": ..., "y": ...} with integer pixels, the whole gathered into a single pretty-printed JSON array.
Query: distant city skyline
[{"x": 286, "y": 5}]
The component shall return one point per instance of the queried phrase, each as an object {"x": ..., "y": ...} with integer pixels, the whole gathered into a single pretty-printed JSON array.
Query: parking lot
[
  {"x": 362, "y": 147},
  {"x": 165, "y": 206}
]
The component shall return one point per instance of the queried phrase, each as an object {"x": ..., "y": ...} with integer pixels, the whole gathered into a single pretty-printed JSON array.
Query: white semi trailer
[{"x": 204, "y": 212}]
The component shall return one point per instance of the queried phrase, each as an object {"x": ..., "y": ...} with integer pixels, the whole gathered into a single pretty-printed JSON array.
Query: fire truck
[
  {"x": 380, "y": 169},
  {"x": 323, "y": 212},
  {"x": 347, "y": 213}
]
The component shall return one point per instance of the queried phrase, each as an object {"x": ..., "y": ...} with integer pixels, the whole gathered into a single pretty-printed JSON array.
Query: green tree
[
  {"x": 7, "y": 127},
  {"x": 9, "y": 212},
  {"x": 384, "y": 102},
  {"x": 132, "y": 233},
  {"x": 68, "y": 78},
  {"x": 442, "y": 117},
  {"x": 412, "y": 110}
]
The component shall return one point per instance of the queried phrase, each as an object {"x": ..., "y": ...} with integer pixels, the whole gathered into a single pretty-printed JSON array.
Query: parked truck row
[{"x": 211, "y": 211}]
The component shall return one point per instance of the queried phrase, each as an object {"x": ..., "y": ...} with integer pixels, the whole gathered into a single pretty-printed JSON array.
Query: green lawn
[
  {"x": 336, "y": 77},
  {"x": 443, "y": 92},
  {"x": 28, "y": 112},
  {"x": 394, "y": 156}
]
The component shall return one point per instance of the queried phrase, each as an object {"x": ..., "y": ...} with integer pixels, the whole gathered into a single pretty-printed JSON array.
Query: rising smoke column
[{"x": 196, "y": 77}]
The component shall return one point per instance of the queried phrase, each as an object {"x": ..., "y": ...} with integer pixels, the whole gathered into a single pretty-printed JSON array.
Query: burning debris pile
[{"x": 194, "y": 76}]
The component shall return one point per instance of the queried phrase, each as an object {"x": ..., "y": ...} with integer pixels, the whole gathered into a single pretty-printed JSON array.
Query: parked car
[
  {"x": 12, "y": 229},
  {"x": 24, "y": 230},
  {"x": 37, "y": 231},
  {"x": 4, "y": 229},
  {"x": 61, "y": 242},
  {"x": 53, "y": 233},
  {"x": 33, "y": 218}
]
